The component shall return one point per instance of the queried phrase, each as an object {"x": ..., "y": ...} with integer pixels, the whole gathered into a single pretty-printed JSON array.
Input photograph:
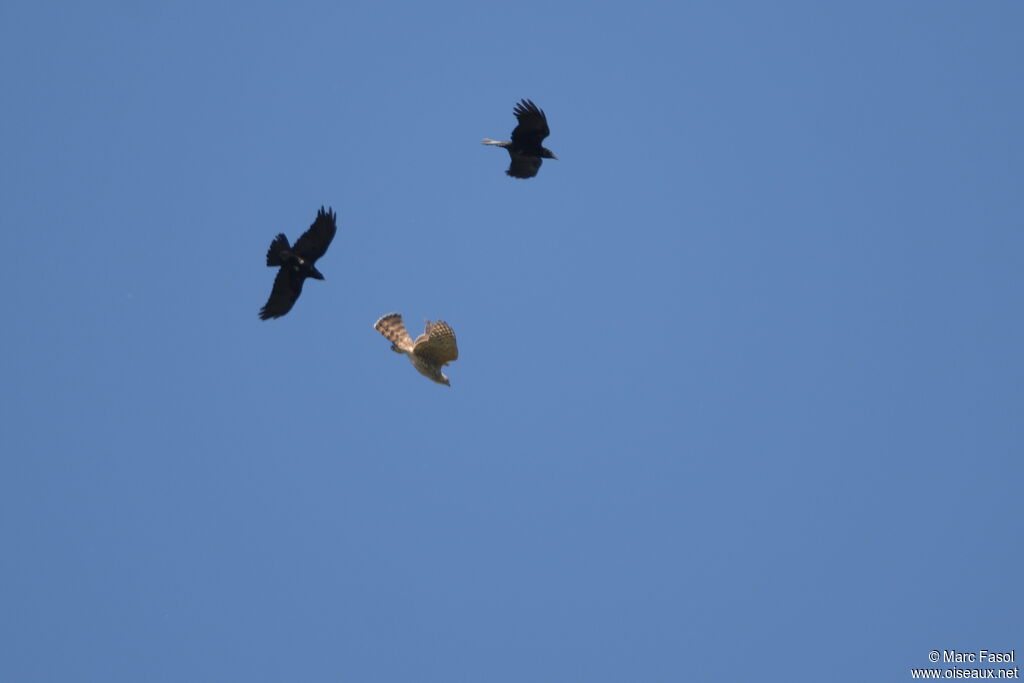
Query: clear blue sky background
[{"x": 741, "y": 383}]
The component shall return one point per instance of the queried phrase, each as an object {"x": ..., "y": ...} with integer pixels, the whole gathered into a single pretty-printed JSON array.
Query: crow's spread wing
[
  {"x": 314, "y": 242},
  {"x": 533, "y": 125},
  {"x": 524, "y": 166},
  {"x": 287, "y": 287}
]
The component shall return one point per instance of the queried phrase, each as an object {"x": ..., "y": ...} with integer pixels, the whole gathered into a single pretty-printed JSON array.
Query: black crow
[
  {"x": 297, "y": 263},
  {"x": 525, "y": 148}
]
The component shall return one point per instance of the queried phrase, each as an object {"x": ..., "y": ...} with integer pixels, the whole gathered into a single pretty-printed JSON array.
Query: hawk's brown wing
[
  {"x": 392, "y": 327},
  {"x": 437, "y": 344}
]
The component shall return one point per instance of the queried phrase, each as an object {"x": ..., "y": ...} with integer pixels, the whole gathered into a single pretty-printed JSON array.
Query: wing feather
[
  {"x": 314, "y": 242},
  {"x": 523, "y": 166},
  {"x": 286, "y": 291},
  {"x": 533, "y": 125},
  {"x": 438, "y": 346}
]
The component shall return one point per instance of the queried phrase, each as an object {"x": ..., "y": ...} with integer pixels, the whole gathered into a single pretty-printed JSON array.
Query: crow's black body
[
  {"x": 297, "y": 263},
  {"x": 525, "y": 148}
]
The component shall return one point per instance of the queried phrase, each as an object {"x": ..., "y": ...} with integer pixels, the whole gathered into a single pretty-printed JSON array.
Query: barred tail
[{"x": 393, "y": 329}]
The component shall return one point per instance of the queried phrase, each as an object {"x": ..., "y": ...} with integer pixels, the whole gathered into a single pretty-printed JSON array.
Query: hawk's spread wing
[
  {"x": 314, "y": 242},
  {"x": 533, "y": 125},
  {"x": 287, "y": 287},
  {"x": 392, "y": 327},
  {"x": 437, "y": 344}
]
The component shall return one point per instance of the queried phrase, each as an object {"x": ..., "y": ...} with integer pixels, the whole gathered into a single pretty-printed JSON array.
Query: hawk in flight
[
  {"x": 525, "y": 149},
  {"x": 297, "y": 263},
  {"x": 431, "y": 351}
]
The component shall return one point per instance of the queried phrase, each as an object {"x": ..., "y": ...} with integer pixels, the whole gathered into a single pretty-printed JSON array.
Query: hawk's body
[
  {"x": 525, "y": 148},
  {"x": 430, "y": 352}
]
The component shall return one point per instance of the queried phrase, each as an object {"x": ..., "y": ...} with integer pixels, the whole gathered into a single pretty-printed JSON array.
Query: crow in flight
[
  {"x": 297, "y": 263},
  {"x": 525, "y": 148}
]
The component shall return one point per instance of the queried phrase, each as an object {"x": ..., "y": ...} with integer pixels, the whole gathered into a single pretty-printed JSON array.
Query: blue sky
[{"x": 740, "y": 386}]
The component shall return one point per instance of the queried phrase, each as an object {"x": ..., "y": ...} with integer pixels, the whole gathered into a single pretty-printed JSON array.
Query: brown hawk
[{"x": 431, "y": 351}]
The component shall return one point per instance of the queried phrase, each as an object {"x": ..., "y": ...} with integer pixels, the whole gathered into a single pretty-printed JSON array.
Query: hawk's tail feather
[{"x": 393, "y": 329}]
